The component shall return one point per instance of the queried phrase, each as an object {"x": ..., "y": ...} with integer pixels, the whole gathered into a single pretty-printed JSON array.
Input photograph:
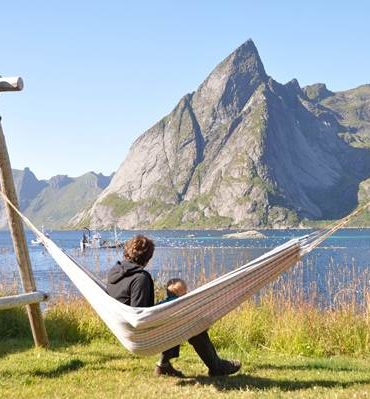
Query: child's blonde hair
[{"x": 176, "y": 286}]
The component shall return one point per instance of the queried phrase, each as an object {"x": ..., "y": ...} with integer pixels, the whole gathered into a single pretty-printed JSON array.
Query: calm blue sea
[{"x": 336, "y": 270}]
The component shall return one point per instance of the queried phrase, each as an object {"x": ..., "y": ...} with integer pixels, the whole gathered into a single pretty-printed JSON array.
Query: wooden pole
[{"x": 19, "y": 242}]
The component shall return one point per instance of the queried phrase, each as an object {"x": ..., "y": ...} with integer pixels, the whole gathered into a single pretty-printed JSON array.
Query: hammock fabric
[{"x": 146, "y": 331}]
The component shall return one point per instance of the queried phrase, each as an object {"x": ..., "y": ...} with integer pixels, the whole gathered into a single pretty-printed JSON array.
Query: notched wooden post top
[{"x": 14, "y": 83}]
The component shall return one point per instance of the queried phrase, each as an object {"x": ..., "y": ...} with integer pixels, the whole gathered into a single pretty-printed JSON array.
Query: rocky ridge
[{"x": 53, "y": 202}]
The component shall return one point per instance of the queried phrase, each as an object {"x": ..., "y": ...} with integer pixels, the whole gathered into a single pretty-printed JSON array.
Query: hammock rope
[{"x": 146, "y": 331}]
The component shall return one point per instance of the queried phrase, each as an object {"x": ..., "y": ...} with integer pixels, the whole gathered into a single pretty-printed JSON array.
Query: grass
[
  {"x": 287, "y": 351},
  {"x": 195, "y": 218},
  {"x": 119, "y": 205},
  {"x": 104, "y": 370}
]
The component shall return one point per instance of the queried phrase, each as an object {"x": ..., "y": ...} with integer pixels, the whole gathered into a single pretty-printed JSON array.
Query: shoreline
[{"x": 246, "y": 229}]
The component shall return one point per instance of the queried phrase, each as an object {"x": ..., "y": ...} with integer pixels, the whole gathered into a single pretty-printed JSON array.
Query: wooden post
[
  {"x": 16, "y": 227},
  {"x": 8, "y": 302},
  {"x": 11, "y": 84}
]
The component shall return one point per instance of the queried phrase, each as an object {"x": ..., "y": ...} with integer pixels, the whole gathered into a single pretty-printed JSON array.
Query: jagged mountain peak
[
  {"x": 59, "y": 181},
  {"x": 244, "y": 60},
  {"x": 230, "y": 85},
  {"x": 26, "y": 173},
  {"x": 294, "y": 84},
  {"x": 27, "y": 170},
  {"x": 247, "y": 56},
  {"x": 95, "y": 179}
]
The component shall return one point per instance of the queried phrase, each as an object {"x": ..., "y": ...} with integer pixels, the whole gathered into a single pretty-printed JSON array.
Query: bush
[
  {"x": 75, "y": 321},
  {"x": 14, "y": 323}
]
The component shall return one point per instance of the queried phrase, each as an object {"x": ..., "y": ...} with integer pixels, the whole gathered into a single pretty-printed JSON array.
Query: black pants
[
  {"x": 169, "y": 354},
  {"x": 202, "y": 345}
]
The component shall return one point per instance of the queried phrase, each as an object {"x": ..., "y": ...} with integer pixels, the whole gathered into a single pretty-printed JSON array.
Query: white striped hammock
[{"x": 146, "y": 331}]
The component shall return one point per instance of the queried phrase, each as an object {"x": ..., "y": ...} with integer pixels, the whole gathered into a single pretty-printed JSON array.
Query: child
[{"x": 175, "y": 288}]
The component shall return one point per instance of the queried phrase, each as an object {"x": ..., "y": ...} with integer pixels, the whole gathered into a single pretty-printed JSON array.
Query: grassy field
[
  {"x": 102, "y": 369},
  {"x": 287, "y": 352}
]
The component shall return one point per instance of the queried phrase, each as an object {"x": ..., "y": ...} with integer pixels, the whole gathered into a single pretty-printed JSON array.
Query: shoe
[
  {"x": 226, "y": 367},
  {"x": 168, "y": 370},
  {"x": 207, "y": 352}
]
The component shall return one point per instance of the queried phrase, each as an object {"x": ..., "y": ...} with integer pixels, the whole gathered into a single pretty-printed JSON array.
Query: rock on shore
[{"x": 246, "y": 234}]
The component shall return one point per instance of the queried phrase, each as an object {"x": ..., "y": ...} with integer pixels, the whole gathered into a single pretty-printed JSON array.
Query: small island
[{"x": 254, "y": 234}]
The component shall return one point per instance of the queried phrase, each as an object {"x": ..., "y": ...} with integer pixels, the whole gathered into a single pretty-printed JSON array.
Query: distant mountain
[
  {"x": 352, "y": 110},
  {"x": 244, "y": 151},
  {"x": 53, "y": 202}
]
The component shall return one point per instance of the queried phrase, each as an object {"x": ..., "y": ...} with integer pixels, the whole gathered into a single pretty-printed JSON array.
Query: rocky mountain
[
  {"x": 53, "y": 202},
  {"x": 352, "y": 108},
  {"x": 244, "y": 151}
]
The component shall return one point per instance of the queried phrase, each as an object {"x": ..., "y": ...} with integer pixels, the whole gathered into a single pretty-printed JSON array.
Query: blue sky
[{"x": 98, "y": 74}]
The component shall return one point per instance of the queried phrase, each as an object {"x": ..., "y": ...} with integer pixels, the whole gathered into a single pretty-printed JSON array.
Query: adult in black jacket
[{"x": 129, "y": 283}]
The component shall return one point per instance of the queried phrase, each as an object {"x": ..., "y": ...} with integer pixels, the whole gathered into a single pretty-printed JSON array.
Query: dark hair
[
  {"x": 139, "y": 250},
  {"x": 173, "y": 281}
]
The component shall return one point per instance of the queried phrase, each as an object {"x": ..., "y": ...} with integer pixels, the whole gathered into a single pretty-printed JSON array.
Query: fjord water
[{"x": 336, "y": 270}]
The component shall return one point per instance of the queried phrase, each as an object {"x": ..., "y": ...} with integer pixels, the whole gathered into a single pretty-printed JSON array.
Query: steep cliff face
[
  {"x": 243, "y": 151},
  {"x": 53, "y": 202}
]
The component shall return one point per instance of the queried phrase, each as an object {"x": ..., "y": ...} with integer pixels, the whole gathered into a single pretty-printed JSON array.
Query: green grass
[
  {"x": 287, "y": 351},
  {"x": 119, "y": 205},
  {"x": 105, "y": 370},
  {"x": 173, "y": 218}
]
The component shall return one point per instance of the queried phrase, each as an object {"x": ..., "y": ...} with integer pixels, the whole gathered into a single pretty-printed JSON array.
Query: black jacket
[{"x": 130, "y": 284}]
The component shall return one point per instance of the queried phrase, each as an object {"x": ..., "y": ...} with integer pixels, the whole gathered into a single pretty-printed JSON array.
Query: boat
[
  {"x": 116, "y": 242},
  {"x": 90, "y": 239},
  {"x": 93, "y": 239},
  {"x": 37, "y": 241}
]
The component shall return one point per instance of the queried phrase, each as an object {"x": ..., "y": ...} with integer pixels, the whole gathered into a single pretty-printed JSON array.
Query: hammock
[{"x": 146, "y": 331}]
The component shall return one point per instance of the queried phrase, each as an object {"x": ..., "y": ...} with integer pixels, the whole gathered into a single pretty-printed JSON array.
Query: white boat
[
  {"x": 90, "y": 239},
  {"x": 37, "y": 240},
  {"x": 93, "y": 239}
]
